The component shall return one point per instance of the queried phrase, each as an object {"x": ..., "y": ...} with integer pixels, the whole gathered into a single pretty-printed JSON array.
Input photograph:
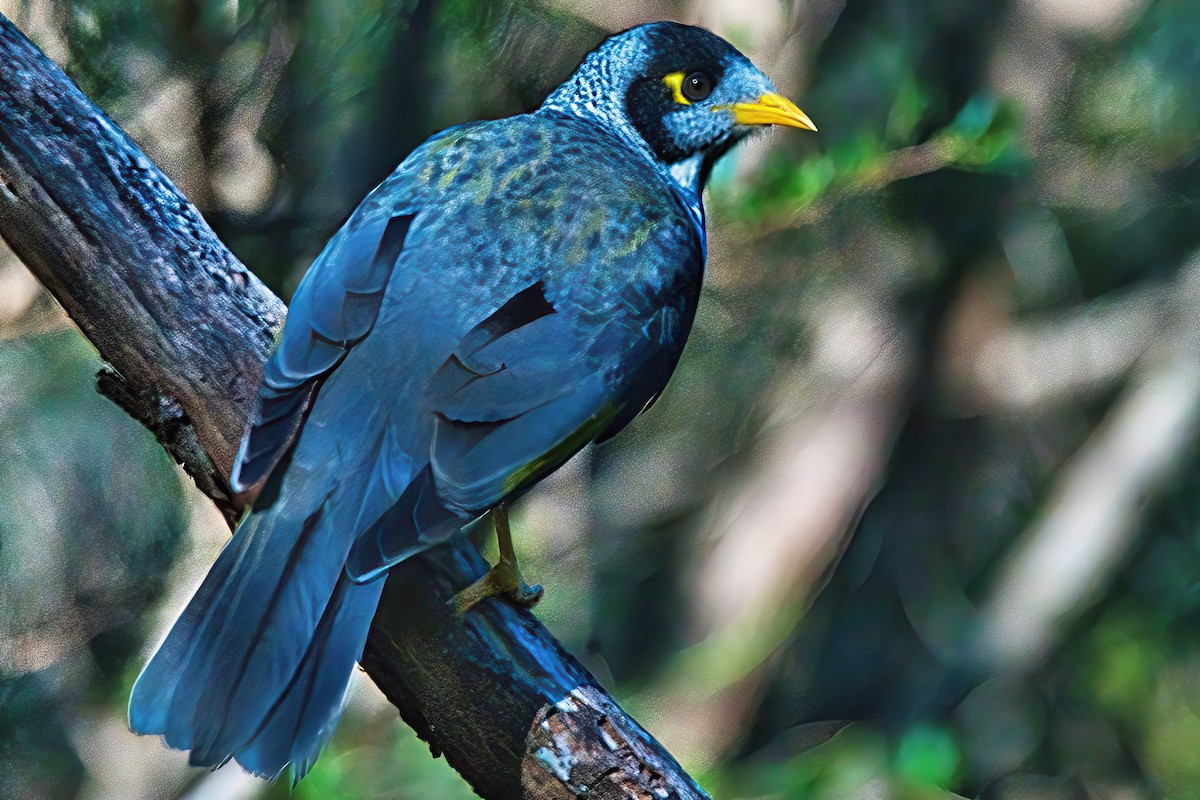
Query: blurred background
[{"x": 918, "y": 515}]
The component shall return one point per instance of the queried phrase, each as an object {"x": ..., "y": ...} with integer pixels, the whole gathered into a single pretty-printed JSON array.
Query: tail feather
[
  {"x": 416, "y": 522},
  {"x": 150, "y": 705},
  {"x": 305, "y": 715},
  {"x": 268, "y": 626},
  {"x": 227, "y": 620},
  {"x": 244, "y": 578},
  {"x": 257, "y": 665}
]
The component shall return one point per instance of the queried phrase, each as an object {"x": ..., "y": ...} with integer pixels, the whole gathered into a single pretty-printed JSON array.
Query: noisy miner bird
[{"x": 515, "y": 290}]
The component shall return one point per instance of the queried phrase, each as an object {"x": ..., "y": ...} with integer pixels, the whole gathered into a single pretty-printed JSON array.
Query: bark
[{"x": 184, "y": 328}]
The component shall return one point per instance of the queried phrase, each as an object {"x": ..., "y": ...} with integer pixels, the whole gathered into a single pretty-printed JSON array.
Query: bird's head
[{"x": 679, "y": 93}]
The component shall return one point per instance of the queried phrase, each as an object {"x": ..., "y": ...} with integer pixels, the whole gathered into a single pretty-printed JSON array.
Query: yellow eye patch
[{"x": 674, "y": 82}]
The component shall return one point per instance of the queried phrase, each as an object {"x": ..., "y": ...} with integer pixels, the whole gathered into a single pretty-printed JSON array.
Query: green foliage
[
  {"x": 375, "y": 757},
  {"x": 983, "y": 136},
  {"x": 928, "y": 755}
]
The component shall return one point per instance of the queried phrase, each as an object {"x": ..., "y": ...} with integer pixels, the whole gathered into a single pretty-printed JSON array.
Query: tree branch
[{"x": 186, "y": 327}]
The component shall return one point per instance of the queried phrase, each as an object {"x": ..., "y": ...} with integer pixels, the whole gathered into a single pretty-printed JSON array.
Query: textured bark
[{"x": 185, "y": 328}]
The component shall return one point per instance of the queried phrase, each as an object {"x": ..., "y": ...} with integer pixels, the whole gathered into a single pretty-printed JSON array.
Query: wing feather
[{"x": 334, "y": 308}]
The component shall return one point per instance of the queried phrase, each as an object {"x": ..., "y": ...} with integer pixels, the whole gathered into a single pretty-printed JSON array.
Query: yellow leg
[{"x": 502, "y": 580}]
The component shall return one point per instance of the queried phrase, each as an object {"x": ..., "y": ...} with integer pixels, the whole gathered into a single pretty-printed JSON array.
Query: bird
[{"x": 515, "y": 290}]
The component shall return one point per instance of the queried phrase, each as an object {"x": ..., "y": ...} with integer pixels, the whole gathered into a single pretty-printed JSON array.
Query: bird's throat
[{"x": 687, "y": 173}]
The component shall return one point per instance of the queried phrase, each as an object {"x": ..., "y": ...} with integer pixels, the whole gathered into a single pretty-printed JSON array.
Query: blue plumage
[{"x": 513, "y": 291}]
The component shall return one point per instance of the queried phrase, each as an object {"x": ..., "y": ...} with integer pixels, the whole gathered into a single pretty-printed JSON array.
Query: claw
[{"x": 502, "y": 580}]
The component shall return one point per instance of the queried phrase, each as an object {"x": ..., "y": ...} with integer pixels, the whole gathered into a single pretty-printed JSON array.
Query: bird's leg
[{"x": 504, "y": 579}]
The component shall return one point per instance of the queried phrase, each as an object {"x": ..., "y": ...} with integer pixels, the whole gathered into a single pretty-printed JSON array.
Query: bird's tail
[{"x": 257, "y": 665}]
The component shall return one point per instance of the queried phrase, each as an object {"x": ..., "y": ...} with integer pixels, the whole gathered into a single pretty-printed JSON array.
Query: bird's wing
[
  {"x": 523, "y": 390},
  {"x": 333, "y": 309},
  {"x": 337, "y": 305}
]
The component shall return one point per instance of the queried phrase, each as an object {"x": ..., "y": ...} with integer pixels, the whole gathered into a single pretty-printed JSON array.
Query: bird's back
[
  {"x": 538, "y": 197},
  {"x": 500, "y": 207}
]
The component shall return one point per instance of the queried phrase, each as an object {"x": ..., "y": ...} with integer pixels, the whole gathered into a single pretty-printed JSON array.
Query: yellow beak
[{"x": 769, "y": 109}]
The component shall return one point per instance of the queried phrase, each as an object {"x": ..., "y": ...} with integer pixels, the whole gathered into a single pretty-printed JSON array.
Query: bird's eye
[{"x": 697, "y": 86}]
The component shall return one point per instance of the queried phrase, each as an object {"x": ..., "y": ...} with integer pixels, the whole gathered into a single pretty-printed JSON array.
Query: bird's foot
[{"x": 502, "y": 580}]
